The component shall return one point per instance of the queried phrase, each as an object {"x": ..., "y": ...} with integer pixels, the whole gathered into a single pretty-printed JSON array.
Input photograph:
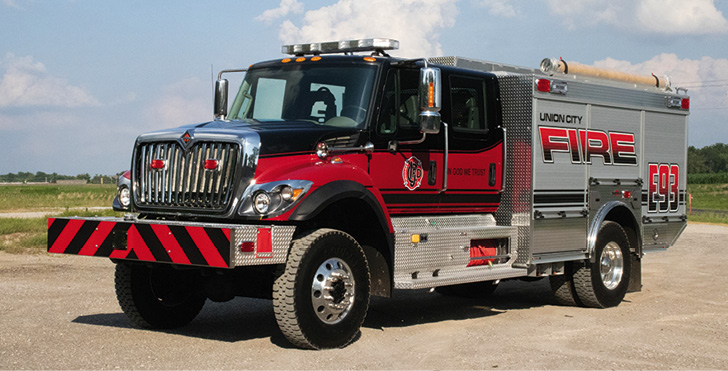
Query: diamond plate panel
[
  {"x": 442, "y": 258},
  {"x": 517, "y": 200},
  {"x": 281, "y": 242}
]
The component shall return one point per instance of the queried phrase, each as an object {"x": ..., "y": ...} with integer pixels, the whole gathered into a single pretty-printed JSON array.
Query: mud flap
[{"x": 635, "y": 277}]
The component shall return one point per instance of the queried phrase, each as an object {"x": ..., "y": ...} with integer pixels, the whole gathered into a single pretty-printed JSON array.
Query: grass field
[
  {"x": 29, "y": 234},
  {"x": 709, "y": 203},
  {"x": 43, "y": 197}
]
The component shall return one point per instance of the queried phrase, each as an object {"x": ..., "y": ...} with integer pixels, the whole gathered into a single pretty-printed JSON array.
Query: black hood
[{"x": 281, "y": 137}]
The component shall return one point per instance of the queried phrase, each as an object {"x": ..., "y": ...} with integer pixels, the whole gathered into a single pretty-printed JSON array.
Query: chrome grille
[{"x": 181, "y": 180}]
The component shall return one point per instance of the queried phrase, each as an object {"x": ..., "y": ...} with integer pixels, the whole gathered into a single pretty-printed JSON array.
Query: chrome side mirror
[
  {"x": 430, "y": 100},
  {"x": 221, "y": 99}
]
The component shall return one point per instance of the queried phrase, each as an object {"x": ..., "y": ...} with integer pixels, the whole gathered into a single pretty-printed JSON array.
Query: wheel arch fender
[
  {"x": 331, "y": 192},
  {"x": 378, "y": 247},
  {"x": 622, "y": 214}
]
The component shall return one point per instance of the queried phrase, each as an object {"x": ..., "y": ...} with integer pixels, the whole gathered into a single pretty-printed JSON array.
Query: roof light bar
[{"x": 343, "y": 46}]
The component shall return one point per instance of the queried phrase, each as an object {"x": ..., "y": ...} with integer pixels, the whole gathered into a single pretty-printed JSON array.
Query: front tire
[
  {"x": 321, "y": 299},
  {"x": 160, "y": 297},
  {"x": 604, "y": 282}
]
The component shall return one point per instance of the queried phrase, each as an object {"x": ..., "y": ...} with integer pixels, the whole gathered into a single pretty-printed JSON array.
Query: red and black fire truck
[{"x": 341, "y": 172}]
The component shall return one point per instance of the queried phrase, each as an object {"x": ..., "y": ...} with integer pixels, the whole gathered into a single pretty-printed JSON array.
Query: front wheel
[
  {"x": 159, "y": 297},
  {"x": 604, "y": 282},
  {"x": 321, "y": 299}
]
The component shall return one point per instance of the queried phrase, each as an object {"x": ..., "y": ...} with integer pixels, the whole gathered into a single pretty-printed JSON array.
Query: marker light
[
  {"x": 157, "y": 164},
  {"x": 685, "y": 103},
  {"x": 543, "y": 85},
  {"x": 211, "y": 164},
  {"x": 431, "y": 94}
]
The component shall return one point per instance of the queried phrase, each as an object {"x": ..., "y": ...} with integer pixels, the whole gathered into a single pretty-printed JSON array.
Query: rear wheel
[
  {"x": 159, "y": 297},
  {"x": 321, "y": 299},
  {"x": 604, "y": 282},
  {"x": 563, "y": 287}
]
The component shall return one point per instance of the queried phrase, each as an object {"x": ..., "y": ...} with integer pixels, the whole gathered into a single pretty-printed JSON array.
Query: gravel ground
[{"x": 60, "y": 312}]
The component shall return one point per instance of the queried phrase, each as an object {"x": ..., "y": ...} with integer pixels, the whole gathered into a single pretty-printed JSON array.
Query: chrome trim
[
  {"x": 445, "y": 159},
  {"x": 599, "y": 217},
  {"x": 158, "y": 193},
  {"x": 278, "y": 206}
]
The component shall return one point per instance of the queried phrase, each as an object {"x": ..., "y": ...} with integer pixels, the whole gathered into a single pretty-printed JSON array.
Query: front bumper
[{"x": 184, "y": 243}]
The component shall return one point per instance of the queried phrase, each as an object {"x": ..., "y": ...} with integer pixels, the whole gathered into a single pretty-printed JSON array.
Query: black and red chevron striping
[{"x": 164, "y": 243}]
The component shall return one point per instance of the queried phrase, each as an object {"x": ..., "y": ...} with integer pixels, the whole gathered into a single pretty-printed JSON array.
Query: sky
[{"x": 80, "y": 79}]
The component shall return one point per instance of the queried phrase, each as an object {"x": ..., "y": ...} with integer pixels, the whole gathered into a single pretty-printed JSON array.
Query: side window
[
  {"x": 467, "y": 101},
  {"x": 399, "y": 110}
]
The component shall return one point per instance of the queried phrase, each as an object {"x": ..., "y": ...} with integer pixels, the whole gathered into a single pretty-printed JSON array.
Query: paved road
[{"x": 60, "y": 312}]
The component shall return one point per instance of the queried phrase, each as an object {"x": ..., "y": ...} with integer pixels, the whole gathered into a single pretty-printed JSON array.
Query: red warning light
[
  {"x": 543, "y": 85},
  {"x": 211, "y": 164},
  {"x": 157, "y": 164}
]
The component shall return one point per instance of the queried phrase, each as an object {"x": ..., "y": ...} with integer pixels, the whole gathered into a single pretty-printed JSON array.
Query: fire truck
[{"x": 340, "y": 172}]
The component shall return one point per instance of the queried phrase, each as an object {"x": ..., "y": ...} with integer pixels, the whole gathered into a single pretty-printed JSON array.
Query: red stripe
[
  {"x": 97, "y": 238},
  {"x": 206, "y": 247},
  {"x": 65, "y": 238},
  {"x": 171, "y": 245},
  {"x": 135, "y": 242},
  {"x": 226, "y": 231}
]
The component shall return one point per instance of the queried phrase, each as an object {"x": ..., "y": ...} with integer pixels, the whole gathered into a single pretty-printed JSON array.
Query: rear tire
[
  {"x": 322, "y": 298},
  {"x": 563, "y": 288},
  {"x": 160, "y": 297},
  {"x": 604, "y": 282},
  {"x": 474, "y": 290}
]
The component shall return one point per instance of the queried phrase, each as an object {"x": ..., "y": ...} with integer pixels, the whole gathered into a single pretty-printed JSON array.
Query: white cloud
[
  {"x": 664, "y": 17},
  {"x": 286, "y": 7},
  {"x": 27, "y": 83},
  {"x": 695, "y": 17},
  {"x": 415, "y": 23},
  {"x": 501, "y": 8},
  {"x": 707, "y": 80},
  {"x": 184, "y": 102}
]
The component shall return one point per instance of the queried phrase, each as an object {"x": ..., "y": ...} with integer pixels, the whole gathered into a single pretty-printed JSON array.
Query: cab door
[{"x": 409, "y": 175}]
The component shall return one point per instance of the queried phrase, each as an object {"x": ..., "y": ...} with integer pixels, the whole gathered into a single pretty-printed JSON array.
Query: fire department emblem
[{"x": 412, "y": 173}]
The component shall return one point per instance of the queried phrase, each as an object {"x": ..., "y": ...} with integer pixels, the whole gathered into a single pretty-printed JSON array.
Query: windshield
[{"x": 324, "y": 94}]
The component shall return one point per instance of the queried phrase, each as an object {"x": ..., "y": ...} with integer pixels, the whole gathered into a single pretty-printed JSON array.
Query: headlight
[
  {"x": 124, "y": 198},
  {"x": 122, "y": 201},
  {"x": 274, "y": 198},
  {"x": 261, "y": 202}
]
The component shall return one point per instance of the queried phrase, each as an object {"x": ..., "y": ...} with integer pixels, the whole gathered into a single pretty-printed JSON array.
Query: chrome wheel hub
[
  {"x": 332, "y": 291},
  {"x": 611, "y": 265}
]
